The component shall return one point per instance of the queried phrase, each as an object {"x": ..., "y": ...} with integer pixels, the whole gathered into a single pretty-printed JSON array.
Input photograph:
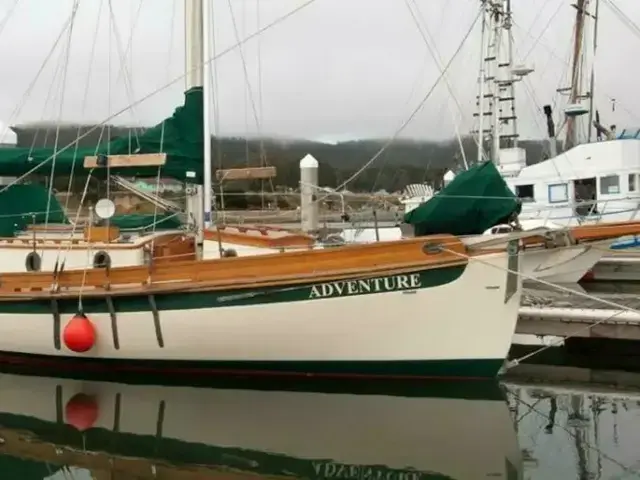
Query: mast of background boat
[
  {"x": 493, "y": 57},
  {"x": 194, "y": 22},
  {"x": 572, "y": 111},
  {"x": 592, "y": 81},
  {"x": 482, "y": 80},
  {"x": 502, "y": 76}
]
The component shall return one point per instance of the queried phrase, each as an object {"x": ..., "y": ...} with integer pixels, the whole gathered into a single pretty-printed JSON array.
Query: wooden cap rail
[
  {"x": 603, "y": 231},
  {"x": 48, "y": 243},
  {"x": 247, "y": 270},
  {"x": 259, "y": 236},
  {"x": 123, "y": 161},
  {"x": 249, "y": 173}
]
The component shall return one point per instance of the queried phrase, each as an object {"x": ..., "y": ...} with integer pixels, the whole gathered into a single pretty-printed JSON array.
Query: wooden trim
[
  {"x": 259, "y": 236},
  {"x": 52, "y": 227},
  {"x": 27, "y": 243},
  {"x": 124, "y": 161},
  {"x": 604, "y": 231},
  {"x": 241, "y": 272},
  {"x": 250, "y": 173}
]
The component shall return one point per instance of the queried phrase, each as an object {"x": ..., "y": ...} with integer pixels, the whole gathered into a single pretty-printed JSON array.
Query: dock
[{"x": 560, "y": 314}]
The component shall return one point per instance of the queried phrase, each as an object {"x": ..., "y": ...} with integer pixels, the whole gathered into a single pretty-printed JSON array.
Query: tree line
[{"x": 401, "y": 163}]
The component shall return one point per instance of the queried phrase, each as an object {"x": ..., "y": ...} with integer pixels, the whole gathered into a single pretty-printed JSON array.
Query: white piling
[{"x": 309, "y": 208}]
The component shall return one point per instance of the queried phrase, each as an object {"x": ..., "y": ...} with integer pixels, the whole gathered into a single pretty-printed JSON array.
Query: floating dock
[{"x": 560, "y": 314}]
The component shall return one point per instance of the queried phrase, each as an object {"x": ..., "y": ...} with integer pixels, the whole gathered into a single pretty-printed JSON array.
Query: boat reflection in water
[
  {"x": 119, "y": 431},
  {"x": 577, "y": 431}
]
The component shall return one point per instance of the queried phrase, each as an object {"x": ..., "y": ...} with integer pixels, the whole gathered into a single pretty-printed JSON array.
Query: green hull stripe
[
  {"x": 234, "y": 298},
  {"x": 443, "y": 369}
]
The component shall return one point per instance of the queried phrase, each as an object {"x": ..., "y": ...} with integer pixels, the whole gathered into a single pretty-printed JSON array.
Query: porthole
[
  {"x": 229, "y": 252},
  {"x": 101, "y": 260},
  {"x": 33, "y": 263}
]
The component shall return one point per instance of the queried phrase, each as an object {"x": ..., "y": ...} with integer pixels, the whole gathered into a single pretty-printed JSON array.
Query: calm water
[{"x": 67, "y": 429}]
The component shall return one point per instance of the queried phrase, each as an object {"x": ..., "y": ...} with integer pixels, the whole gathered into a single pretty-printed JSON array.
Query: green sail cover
[
  {"x": 473, "y": 202},
  {"x": 181, "y": 139},
  {"x": 26, "y": 204},
  {"x": 134, "y": 221}
]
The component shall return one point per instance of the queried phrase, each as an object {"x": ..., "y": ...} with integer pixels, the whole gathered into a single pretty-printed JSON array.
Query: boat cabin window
[
  {"x": 558, "y": 193},
  {"x": 610, "y": 185},
  {"x": 633, "y": 182},
  {"x": 585, "y": 196},
  {"x": 525, "y": 193}
]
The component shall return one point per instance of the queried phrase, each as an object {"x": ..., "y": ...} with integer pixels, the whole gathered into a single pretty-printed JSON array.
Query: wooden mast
[{"x": 576, "y": 70}]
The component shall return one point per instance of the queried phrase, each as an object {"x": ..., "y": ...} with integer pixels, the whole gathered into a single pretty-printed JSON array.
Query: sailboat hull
[
  {"x": 561, "y": 265},
  {"x": 423, "y": 323}
]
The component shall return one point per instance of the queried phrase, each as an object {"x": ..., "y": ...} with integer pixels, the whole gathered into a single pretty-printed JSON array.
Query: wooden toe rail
[{"x": 321, "y": 263}]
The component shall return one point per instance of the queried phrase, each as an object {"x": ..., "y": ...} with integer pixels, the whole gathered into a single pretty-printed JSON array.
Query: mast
[
  {"x": 501, "y": 77},
  {"x": 592, "y": 82},
  {"x": 194, "y": 22},
  {"x": 482, "y": 80},
  {"x": 206, "y": 100},
  {"x": 493, "y": 57},
  {"x": 576, "y": 72}
]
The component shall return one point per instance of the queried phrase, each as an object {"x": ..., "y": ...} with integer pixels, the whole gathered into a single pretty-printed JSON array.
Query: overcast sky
[{"x": 336, "y": 69}]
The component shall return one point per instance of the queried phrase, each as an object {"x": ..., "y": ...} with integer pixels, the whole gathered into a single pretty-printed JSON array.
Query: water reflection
[
  {"x": 584, "y": 433},
  {"x": 109, "y": 430}
]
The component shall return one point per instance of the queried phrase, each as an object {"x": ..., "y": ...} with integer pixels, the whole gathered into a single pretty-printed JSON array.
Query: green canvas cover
[
  {"x": 26, "y": 204},
  {"x": 133, "y": 221},
  {"x": 181, "y": 140},
  {"x": 474, "y": 201}
]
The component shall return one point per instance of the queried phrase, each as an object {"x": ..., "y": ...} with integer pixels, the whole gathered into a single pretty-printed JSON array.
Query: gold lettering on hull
[
  {"x": 345, "y": 288},
  {"x": 339, "y": 471}
]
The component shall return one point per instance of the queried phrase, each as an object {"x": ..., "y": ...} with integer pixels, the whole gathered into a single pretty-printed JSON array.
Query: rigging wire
[
  {"x": 85, "y": 99},
  {"x": 123, "y": 71},
  {"x": 412, "y": 115},
  {"x": 67, "y": 56},
  {"x": 250, "y": 94},
  {"x": 423, "y": 29},
  {"x": 156, "y": 91}
]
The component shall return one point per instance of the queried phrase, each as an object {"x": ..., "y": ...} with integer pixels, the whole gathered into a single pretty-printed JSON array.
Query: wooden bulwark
[
  {"x": 604, "y": 231},
  {"x": 124, "y": 161},
  {"x": 255, "y": 173},
  {"x": 240, "y": 272},
  {"x": 259, "y": 236}
]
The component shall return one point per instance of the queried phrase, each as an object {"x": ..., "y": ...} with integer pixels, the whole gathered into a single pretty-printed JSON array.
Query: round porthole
[
  {"x": 33, "y": 262},
  {"x": 101, "y": 260},
  {"x": 229, "y": 252}
]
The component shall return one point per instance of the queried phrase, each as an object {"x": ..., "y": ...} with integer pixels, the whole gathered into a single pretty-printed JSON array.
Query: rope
[
  {"x": 415, "y": 111},
  {"x": 515, "y": 362}
]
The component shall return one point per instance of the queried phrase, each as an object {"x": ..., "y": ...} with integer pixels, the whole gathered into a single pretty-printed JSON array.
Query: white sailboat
[{"x": 385, "y": 309}]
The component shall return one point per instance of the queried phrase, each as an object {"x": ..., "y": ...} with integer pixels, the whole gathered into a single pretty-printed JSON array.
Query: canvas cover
[
  {"x": 475, "y": 200},
  {"x": 179, "y": 136},
  {"x": 26, "y": 204},
  {"x": 135, "y": 221}
]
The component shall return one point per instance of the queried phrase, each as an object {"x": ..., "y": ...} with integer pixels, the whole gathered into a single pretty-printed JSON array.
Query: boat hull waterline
[{"x": 397, "y": 325}]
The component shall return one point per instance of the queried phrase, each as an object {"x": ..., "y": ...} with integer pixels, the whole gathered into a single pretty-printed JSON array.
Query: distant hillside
[{"x": 404, "y": 162}]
